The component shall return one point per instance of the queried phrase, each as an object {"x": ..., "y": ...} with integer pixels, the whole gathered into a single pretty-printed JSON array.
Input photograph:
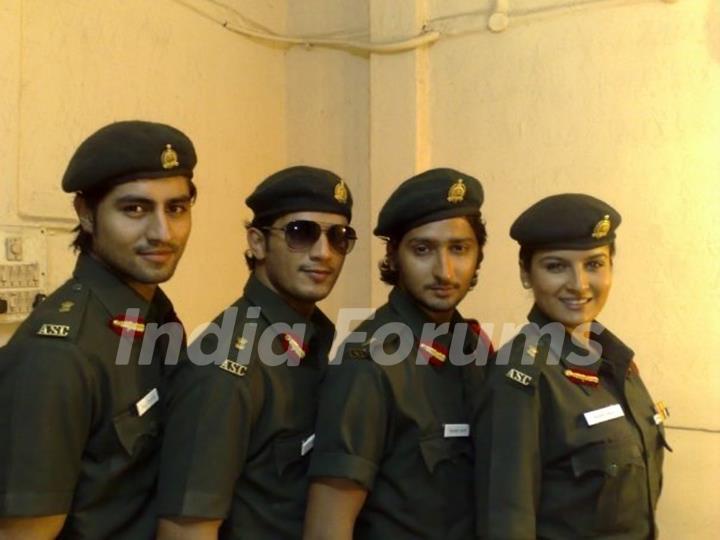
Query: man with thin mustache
[
  {"x": 240, "y": 429},
  {"x": 392, "y": 456},
  {"x": 79, "y": 421}
]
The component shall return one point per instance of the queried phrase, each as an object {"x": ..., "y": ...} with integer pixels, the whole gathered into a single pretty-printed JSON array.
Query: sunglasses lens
[
  {"x": 302, "y": 234},
  {"x": 342, "y": 238}
]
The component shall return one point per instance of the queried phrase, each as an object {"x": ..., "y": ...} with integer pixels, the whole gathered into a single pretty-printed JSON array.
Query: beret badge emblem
[
  {"x": 457, "y": 191},
  {"x": 340, "y": 193},
  {"x": 169, "y": 158},
  {"x": 602, "y": 228}
]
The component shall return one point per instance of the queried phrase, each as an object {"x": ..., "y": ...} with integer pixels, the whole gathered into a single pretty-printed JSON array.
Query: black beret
[
  {"x": 129, "y": 150},
  {"x": 433, "y": 195},
  {"x": 300, "y": 189},
  {"x": 566, "y": 221}
]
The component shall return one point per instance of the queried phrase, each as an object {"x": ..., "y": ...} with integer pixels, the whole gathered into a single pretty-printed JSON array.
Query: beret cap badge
[
  {"x": 340, "y": 193},
  {"x": 602, "y": 227},
  {"x": 456, "y": 193},
  {"x": 169, "y": 158}
]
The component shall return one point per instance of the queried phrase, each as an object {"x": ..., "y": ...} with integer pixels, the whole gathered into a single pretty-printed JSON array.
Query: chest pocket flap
[
  {"x": 608, "y": 459},
  {"x": 135, "y": 432},
  {"x": 289, "y": 450},
  {"x": 437, "y": 449}
]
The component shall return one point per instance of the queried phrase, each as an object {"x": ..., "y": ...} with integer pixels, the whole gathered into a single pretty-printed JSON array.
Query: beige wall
[
  {"x": 618, "y": 99},
  {"x": 69, "y": 67},
  {"x": 328, "y": 124}
]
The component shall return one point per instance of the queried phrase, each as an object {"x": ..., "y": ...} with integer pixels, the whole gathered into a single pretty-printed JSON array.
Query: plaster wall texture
[
  {"x": 327, "y": 101},
  {"x": 70, "y": 67}
]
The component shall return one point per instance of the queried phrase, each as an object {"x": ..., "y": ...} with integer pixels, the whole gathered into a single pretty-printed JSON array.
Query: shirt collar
[
  {"x": 116, "y": 295},
  {"x": 614, "y": 352},
  {"x": 275, "y": 310},
  {"x": 410, "y": 314}
]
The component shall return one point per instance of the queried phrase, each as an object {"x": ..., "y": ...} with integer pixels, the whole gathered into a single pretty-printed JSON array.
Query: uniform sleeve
[
  {"x": 350, "y": 434},
  {"x": 46, "y": 404},
  {"x": 205, "y": 441},
  {"x": 508, "y": 458}
]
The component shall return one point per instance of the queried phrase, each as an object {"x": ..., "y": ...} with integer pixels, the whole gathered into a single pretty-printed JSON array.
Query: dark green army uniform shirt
[
  {"x": 401, "y": 431},
  {"x": 566, "y": 451},
  {"x": 239, "y": 432},
  {"x": 80, "y": 434}
]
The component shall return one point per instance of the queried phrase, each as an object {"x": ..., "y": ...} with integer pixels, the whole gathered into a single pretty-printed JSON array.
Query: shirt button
[{"x": 612, "y": 469}]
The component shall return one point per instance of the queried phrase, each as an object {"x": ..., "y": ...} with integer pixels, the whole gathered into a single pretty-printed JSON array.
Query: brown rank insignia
[
  {"x": 435, "y": 353},
  {"x": 340, "y": 193},
  {"x": 456, "y": 193},
  {"x": 581, "y": 376},
  {"x": 293, "y": 347},
  {"x": 169, "y": 158},
  {"x": 602, "y": 228},
  {"x": 127, "y": 326}
]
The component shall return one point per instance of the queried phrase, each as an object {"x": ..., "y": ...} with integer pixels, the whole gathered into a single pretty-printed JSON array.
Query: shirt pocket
[
  {"x": 137, "y": 434},
  {"x": 289, "y": 457},
  {"x": 614, "y": 475},
  {"x": 448, "y": 495},
  {"x": 438, "y": 449}
]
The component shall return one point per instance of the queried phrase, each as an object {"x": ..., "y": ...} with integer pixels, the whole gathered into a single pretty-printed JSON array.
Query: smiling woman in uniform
[{"x": 569, "y": 442}]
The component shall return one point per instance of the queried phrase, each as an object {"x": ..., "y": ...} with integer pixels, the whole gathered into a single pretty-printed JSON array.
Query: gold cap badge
[
  {"x": 341, "y": 193},
  {"x": 456, "y": 193},
  {"x": 169, "y": 157},
  {"x": 602, "y": 227}
]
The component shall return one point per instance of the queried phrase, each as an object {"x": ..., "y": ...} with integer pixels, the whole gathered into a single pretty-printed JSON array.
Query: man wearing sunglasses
[
  {"x": 240, "y": 430},
  {"x": 392, "y": 457}
]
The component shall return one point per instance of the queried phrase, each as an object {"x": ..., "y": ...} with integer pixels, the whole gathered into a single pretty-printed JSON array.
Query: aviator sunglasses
[{"x": 302, "y": 235}]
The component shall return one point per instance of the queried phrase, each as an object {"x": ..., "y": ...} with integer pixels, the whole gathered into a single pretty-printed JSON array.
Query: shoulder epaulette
[{"x": 61, "y": 314}]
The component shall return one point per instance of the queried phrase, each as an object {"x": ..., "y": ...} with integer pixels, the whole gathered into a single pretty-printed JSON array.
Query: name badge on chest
[
  {"x": 598, "y": 416},
  {"x": 307, "y": 445},
  {"x": 146, "y": 403},
  {"x": 456, "y": 430}
]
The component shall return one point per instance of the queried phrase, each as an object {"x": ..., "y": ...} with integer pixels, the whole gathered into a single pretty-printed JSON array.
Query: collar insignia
[
  {"x": 579, "y": 376},
  {"x": 66, "y": 306},
  {"x": 435, "y": 353},
  {"x": 295, "y": 349},
  {"x": 661, "y": 412},
  {"x": 456, "y": 193},
  {"x": 169, "y": 158},
  {"x": 340, "y": 193},
  {"x": 602, "y": 228},
  {"x": 128, "y": 326}
]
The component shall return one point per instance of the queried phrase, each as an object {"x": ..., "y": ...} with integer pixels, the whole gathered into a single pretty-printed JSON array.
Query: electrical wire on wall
[{"x": 498, "y": 19}]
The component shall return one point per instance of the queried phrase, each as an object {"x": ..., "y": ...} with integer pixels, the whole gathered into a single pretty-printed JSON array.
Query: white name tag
[
  {"x": 307, "y": 445},
  {"x": 603, "y": 415},
  {"x": 457, "y": 430},
  {"x": 146, "y": 403}
]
